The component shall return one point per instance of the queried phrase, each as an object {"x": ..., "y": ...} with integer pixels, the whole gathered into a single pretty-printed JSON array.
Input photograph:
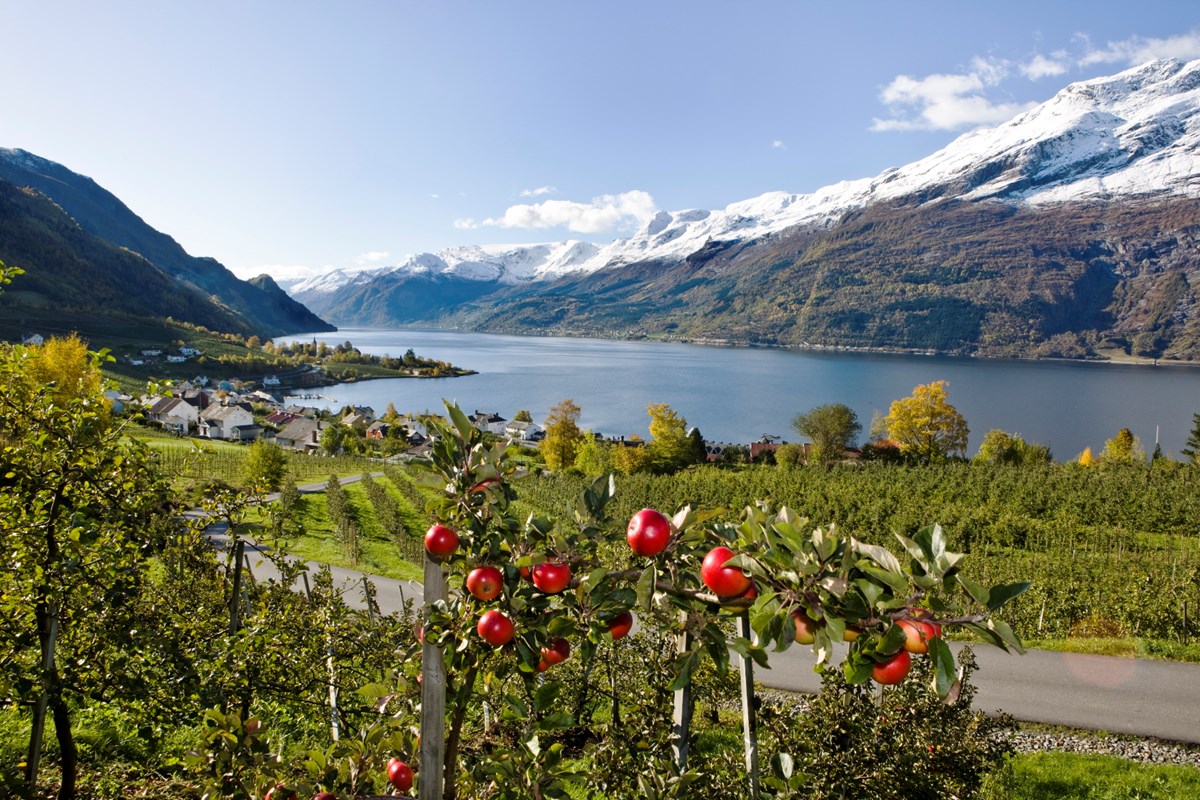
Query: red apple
[
  {"x": 893, "y": 670},
  {"x": 400, "y": 774},
  {"x": 440, "y": 541},
  {"x": 917, "y": 633},
  {"x": 486, "y": 583},
  {"x": 551, "y": 577},
  {"x": 648, "y": 532},
  {"x": 806, "y": 629},
  {"x": 620, "y": 625},
  {"x": 495, "y": 628},
  {"x": 252, "y": 725},
  {"x": 556, "y": 652},
  {"x": 722, "y": 580},
  {"x": 851, "y": 633}
]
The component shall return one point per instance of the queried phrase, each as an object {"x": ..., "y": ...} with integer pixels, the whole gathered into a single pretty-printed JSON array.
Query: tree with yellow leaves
[{"x": 925, "y": 426}]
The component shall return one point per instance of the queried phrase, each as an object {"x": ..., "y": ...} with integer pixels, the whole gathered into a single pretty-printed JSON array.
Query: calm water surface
[{"x": 739, "y": 394}]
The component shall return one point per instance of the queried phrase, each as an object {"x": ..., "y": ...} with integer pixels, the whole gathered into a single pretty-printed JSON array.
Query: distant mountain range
[
  {"x": 85, "y": 253},
  {"x": 1071, "y": 230}
]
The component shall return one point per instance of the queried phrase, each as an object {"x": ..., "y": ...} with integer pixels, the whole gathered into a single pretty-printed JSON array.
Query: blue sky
[{"x": 292, "y": 137}]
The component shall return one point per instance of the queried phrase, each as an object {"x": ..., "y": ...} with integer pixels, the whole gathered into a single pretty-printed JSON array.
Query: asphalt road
[{"x": 1120, "y": 695}]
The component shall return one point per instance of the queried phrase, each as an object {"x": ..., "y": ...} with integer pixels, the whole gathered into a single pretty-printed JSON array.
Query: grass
[
  {"x": 380, "y": 555},
  {"x": 1125, "y": 647},
  {"x": 1071, "y": 776}
]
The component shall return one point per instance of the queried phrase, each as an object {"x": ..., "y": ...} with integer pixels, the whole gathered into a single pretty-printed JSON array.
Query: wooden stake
[
  {"x": 682, "y": 715},
  {"x": 749, "y": 728},
  {"x": 433, "y": 693}
]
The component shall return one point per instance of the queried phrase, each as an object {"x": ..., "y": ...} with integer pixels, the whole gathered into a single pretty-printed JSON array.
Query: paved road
[{"x": 1120, "y": 695}]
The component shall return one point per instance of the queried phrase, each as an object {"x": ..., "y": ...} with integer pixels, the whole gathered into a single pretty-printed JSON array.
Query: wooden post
[
  {"x": 1185, "y": 622},
  {"x": 681, "y": 719},
  {"x": 749, "y": 729},
  {"x": 235, "y": 600},
  {"x": 433, "y": 693}
]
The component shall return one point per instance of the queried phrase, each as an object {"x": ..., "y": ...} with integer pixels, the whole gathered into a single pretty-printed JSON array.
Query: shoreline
[{"x": 1110, "y": 358}]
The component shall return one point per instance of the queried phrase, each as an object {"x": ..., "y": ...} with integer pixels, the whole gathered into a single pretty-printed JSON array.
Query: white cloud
[
  {"x": 946, "y": 102},
  {"x": 466, "y": 224},
  {"x": 778, "y": 145},
  {"x": 281, "y": 272},
  {"x": 435, "y": 196},
  {"x": 1041, "y": 66},
  {"x": 373, "y": 257},
  {"x": 539, "y": 191},
  {"x": 604, "y": 213},
  {"x": 1139, "y": 49}
]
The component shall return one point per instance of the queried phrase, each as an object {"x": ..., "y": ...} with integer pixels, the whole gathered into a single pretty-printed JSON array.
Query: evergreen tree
[{"x": 1191, "y": 450}]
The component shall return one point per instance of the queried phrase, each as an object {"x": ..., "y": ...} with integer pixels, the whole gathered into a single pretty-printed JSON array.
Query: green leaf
[
  {"x": 683, "y": 667},
  {"x": 945, "y": 670},
  {"x": 978, "y": 593},
  {"x": 895, "y": 582},
  {"x": 1010, "y": 640},
  {"x": 545, "y": 695},
  {"x": 460, "y": 420},
  {"x": 999, "y": 595},
  {"x": 645, "y": 587},
  {"x": 915, "y": 550},
  {"x": 783, "y": 766},
  {"x": 880, "y": 555}
]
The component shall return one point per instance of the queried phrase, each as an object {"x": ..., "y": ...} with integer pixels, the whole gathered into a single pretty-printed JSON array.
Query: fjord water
[{"x": 738, "y": 394}]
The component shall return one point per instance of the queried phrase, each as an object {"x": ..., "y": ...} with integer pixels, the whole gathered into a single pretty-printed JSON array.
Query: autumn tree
[
  {"x": 523, "y": 416},
  {"x": 1124, "y": 448},
  {"x": 563, "y": 435},
  {"x": 925, "y": 426},
  {"x": 670, "y": 449},
  {"x": 832, "y": 429},
  {"x": 1000, "y": 447},
  {"x": 593, "y": 457},
  {"x": 81, "y": 507}
]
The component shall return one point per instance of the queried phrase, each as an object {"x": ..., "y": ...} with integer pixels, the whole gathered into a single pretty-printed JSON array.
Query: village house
[
  {"x": 172, "y": 413},
  {"x": 524, "y": 431},
  {"x": 301, "y": 434},
  {"x": 32, "y": 339},
  {"x": 229, "y": 422},
  {"x": 489, "y": 421},
  {"x": 356, "y": 421},
  {"x": 378, "y": 430},
  {"x": 188, "y": 351}
]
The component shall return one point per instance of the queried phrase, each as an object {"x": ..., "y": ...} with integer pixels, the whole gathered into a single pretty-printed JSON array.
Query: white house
[
  {"x": 489, "y": 421},
  {"x": 231, "y": 422},
  {"x": 523, "y": 431},
  {"x": 189, "y": 351},
  {"x": 32, "y": 339},
  {"x": 173, "y": 414},
  {"x": 176, "y": 359}
]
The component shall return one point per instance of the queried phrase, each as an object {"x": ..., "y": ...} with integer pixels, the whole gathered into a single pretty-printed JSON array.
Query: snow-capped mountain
[
  {"x": 1072, "y": 230},
  {"x": 1135, "y": 133}
]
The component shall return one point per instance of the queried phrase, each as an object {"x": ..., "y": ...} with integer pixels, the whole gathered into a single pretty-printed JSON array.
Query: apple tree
[{"x": 563, "y": 590}]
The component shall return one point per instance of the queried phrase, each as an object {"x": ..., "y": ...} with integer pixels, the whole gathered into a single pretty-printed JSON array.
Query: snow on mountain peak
[{"x": 1134, "y": 133}]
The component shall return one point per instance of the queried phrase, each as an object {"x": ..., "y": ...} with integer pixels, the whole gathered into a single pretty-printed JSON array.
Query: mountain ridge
[
  {"x": 1131, "y": 139},
  {"x": 262, "y": 308}
]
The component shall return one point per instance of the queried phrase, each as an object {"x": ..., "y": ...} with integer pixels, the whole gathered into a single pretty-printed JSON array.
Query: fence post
[
  {"x": 433, "y": 693},
  {"x": 681, "y": 719},
  {"x": 749, "y": 723}
]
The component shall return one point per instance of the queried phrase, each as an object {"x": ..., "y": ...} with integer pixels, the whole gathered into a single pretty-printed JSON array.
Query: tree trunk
[
  {"x": 66, "y": 744},
  {"x": 47, "y": 626}
]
